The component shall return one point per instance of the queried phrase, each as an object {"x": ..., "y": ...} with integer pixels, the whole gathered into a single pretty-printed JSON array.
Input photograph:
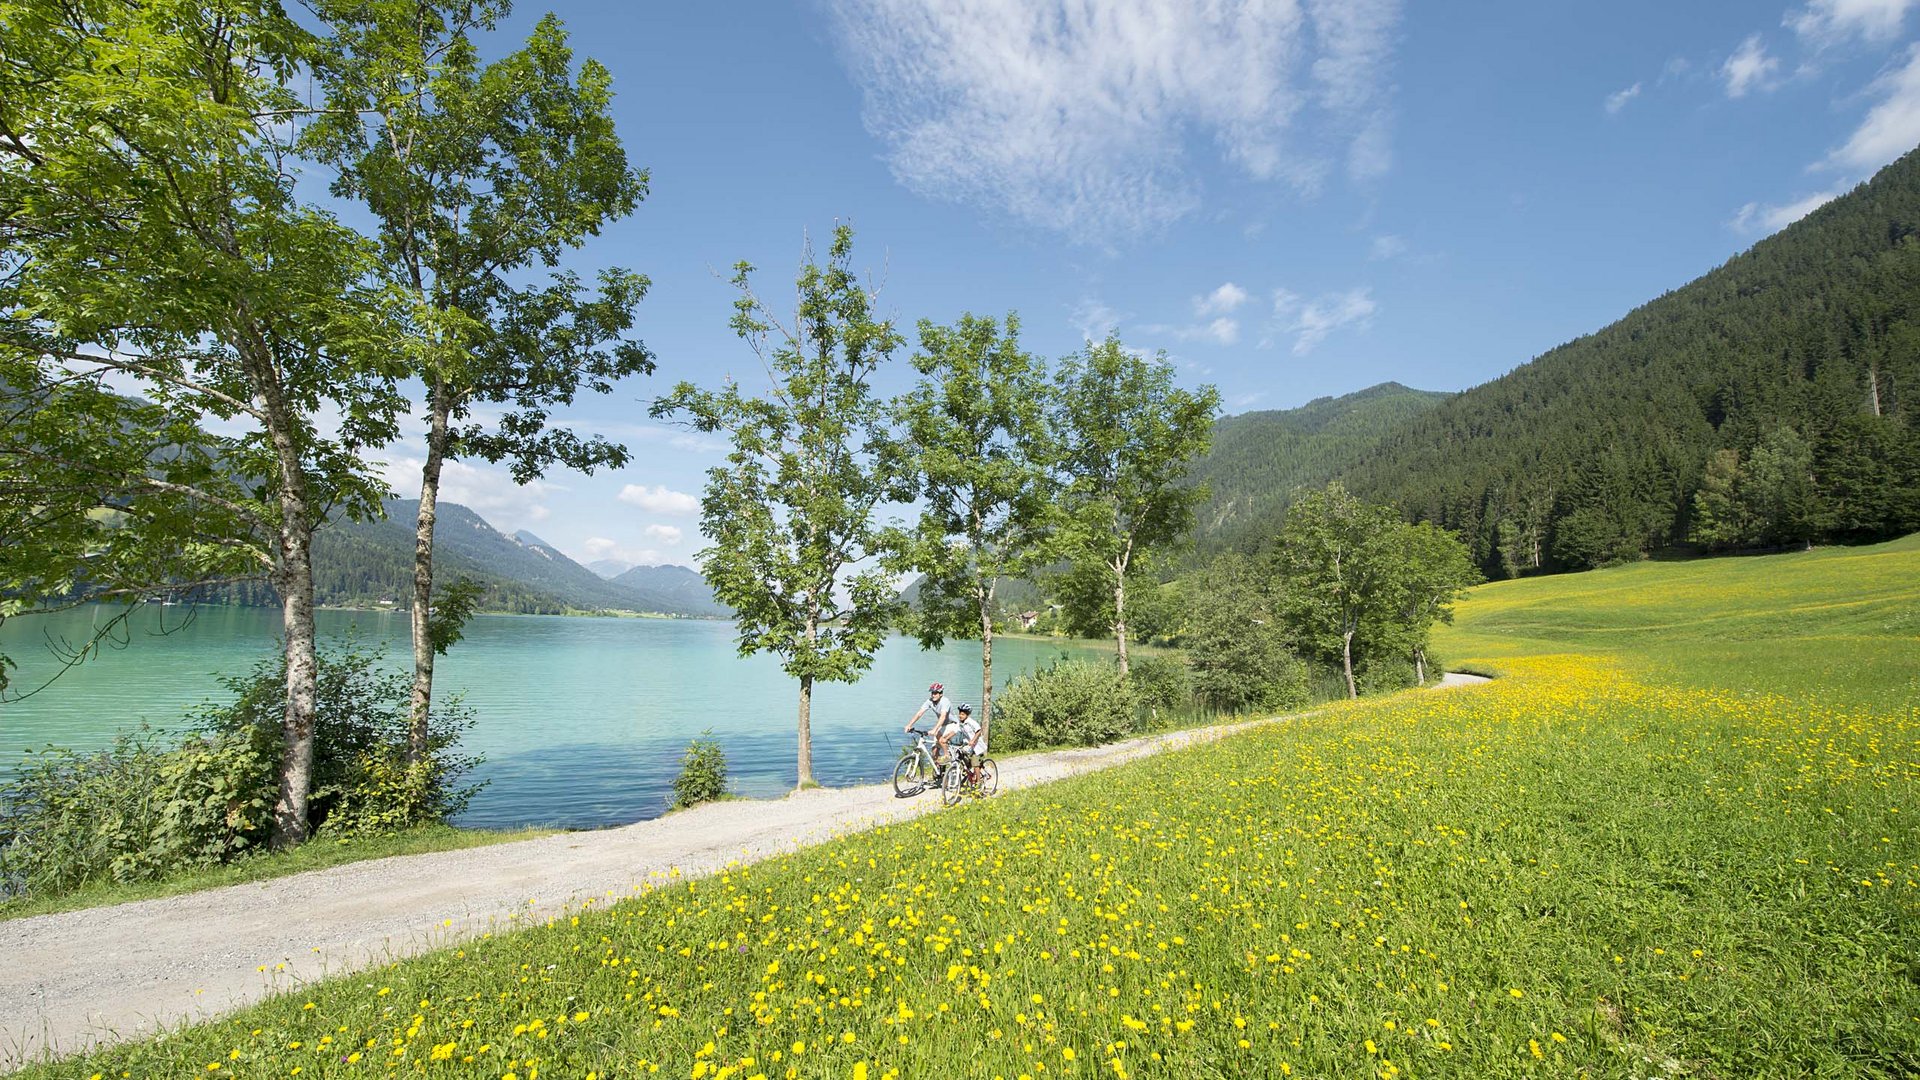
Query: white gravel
[{"x": 105, "y": 975}]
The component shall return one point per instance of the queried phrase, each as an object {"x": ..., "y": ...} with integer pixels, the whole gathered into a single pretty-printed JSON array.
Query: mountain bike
[
  {"x": 915, "y": 772},
  {"x": 980, "y": 778}
]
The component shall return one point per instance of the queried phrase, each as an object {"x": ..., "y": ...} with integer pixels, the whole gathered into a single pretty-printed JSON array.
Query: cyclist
[
  {"x": 941, "y": 708},
  {"x": 966, "y": 738}
]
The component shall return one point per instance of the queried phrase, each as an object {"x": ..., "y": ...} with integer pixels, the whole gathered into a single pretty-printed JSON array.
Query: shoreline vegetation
[{"x": 1557, "y": 874}]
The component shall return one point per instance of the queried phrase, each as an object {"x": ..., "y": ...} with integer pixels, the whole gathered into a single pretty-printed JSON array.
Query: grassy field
[{"x": 1617, "y": 860}]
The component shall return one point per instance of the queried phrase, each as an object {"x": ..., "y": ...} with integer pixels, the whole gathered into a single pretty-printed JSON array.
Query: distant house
[{"x": 1028, "y": 618}]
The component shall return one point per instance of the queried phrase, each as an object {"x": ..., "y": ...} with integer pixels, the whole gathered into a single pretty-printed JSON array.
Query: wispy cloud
[
  {"x": 1094, "y": 320},
  {"x": 1311, "y": 321},
  {"x": 1891, "y": 127},
  {"x": 1619, "y": 98},
  {"x": 1386, "y": 247},
  {"x": 1749, "y": 68},
  {"x": 1220, "y": 331},
  {"x": 1079, "y": 117},
  {"x": 665, "y": 534},
  {"x": 486, "y": 491},
  {"x": 1755, "y": 218},
  {"x": 659, "y": 500},
  {"x": 595, "y": 548},
  {"x": 1823, "y": 23},
  {"x": 1220, "y": 301}
]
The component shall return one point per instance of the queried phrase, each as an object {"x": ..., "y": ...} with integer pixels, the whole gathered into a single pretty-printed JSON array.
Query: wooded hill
[
  {"x": 368, "y": 563},
  {"x": 1259, "y": 459},
  {"x": 1803, "y": 350}
]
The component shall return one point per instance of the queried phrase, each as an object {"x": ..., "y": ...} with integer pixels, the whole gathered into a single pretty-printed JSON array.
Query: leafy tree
[
  {"x": 1128, "y": 435},
  {"x": 475, "y": 173},
  {"x": 1237, "y": 645},
  {"x": 1434, "y": 569},
  {"x": 151, "y": 231},
  {"x": 975, "y": 429},
  {"x": 1336, "y": 563},
  {"x": 790, "y": 514}
]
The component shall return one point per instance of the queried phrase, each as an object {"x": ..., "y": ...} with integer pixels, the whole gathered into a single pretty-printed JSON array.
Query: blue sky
[{"x": 1292, "y": 199}]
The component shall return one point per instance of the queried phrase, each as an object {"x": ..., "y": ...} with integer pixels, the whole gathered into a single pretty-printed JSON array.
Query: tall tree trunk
[
  {"x": 806, "y": 731},
  {"x": 1873, "y": 385},
  {"x": 806, "y": 709},
  {"x": 986, "y": 664},
  {"x": 1419, "y": 667},
  {"x": 422, "y": 702},
  {"x": 1346, "y": 657},
  {"x": 293, "y": 578},
  {"x": 1120, "y": 603}
]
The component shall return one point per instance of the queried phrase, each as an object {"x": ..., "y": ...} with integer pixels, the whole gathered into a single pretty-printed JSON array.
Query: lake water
[{"x": 582, "y": 721}]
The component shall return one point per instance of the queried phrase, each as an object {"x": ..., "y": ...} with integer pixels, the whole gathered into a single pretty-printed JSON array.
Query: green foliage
[
  {"x": 134, "y": 812},
  {"x": 1127, "y": 435},
  {"x": 1238, "y": 647},
  {"x": 790, "y": 514},
  {"x": 1161, "y": 689},
  {"x": 451, "y": 610},
  {"x": 703, "y": 773},
  {"x": 361, "y": 782},
  {"x": 1071, "y": 703}
]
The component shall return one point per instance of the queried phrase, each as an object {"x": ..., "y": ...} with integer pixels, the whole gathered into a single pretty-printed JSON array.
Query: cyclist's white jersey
[{"x": 971, "y": 738}]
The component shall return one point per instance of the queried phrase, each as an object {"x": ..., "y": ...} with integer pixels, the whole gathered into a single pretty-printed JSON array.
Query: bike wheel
[
  {"x": 952, "y": 784},
  {"x": 912, "y": 775},
  {"x": 989, "y": 777}
]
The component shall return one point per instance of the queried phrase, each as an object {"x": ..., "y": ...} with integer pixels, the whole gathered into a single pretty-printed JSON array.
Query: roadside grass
[
  {"x": 316, "y": 855},
  {"x": 1569, "y": 871}
]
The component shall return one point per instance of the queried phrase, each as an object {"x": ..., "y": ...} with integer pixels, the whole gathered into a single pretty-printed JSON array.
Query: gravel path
[{"x": 105, "y": 975}]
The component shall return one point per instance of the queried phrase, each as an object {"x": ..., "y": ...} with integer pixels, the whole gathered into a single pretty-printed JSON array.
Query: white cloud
[
  {"x": 1749, "y": 68},
  {"x": 595, "y": 548},
  {"x": 1095, "y": 320},
  {"x": 1082, "y": 117},
  {"x": 1755, "y": 218},
  {"x": 1892, "y": 127},
  {"x": 1311, "y": 321},
  {"x": 1831, "y": 22},
  {"x": 1619, "y": 98},
  {"x": 1387, "y": 247},
  {"x": 659, "y": 500},
  {"x": 1220, "y": 331},
  {"x": 666, "y": 534},
  {"x": 1220, "y": 301},
  {"x": 489, "y": 492}
]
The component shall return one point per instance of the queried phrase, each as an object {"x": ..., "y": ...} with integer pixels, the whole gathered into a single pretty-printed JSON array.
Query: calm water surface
[{"x": 582, "y": 720}]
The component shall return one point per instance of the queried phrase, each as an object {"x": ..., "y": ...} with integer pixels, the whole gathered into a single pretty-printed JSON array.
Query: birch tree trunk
[
  {"x": 422, "y": 612},
  {"x": 986, "y": 663},
  {"x": 293, "y": 578},
  {"x": 1346, "y": 657}
]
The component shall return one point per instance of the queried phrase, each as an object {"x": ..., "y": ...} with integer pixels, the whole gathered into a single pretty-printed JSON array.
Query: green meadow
[
  {"x": 1842, "y": 624},
  {"x": 1674, "y": 839}
]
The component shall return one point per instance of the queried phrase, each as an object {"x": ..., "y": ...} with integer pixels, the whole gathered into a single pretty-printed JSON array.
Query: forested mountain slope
[
  {"x": 1797, "y": 362},
  {"x": 1259, "y": 459}
]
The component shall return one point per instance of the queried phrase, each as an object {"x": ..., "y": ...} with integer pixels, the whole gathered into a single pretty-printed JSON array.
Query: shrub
[
  {"x": 132, "y": 812},
  {"x": 141, "y": 810},
  {"x": 1161, "y": 690},
  {"x": 703, "y": 773},
  {"x": 1072, "y": 703}
]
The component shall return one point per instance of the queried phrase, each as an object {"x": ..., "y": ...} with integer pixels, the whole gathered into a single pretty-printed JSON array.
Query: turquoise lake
[{"x": 582, "y": 721}]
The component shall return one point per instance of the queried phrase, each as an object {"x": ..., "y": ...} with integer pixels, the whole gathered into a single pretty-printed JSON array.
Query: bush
[
  {"x": 1161, "y": 690},
  {"x": 1072, "y": 703},
  {"x": 142, "y": 810},
  {"x": 703, "y": 773},
  {"x": 133, "y": 812}
]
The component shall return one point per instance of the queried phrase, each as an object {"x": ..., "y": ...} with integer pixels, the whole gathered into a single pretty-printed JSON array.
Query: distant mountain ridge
[{"x": 371, "y": 563}]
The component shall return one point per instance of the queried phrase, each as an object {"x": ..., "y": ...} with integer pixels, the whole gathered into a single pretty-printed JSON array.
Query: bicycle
[
  {"x": 959, "y": 780},
  {"x": 916, "y": 770}
]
